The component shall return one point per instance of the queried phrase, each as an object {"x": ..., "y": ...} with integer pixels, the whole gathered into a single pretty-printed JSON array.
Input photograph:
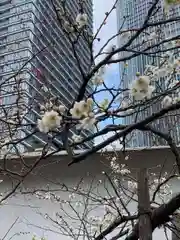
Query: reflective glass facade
[
  {"x": 136, "y": 11},
  {"x": 27, "y": 27}
]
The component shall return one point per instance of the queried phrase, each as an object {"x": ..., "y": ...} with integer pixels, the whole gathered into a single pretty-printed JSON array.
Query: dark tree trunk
[
  {"x": 176, "y": 227},
  {"x": 145, "y": 228}
]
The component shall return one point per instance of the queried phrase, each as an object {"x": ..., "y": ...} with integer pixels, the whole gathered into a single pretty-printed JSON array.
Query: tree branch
[
  {"x": 170, "y": 142},
  {"x": 127, "y": 130},
  {"x": 160, "y": 216}
]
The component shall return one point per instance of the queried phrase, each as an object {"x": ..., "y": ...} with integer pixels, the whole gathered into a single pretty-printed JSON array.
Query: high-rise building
[
  {"x": 29, "y": 31},
  {"x": 131, "y": 15}
]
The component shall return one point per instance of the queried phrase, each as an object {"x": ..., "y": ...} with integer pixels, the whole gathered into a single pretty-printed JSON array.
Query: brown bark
[
  {"x": 144, "y": 210},
  {"x": 159, "y": 217},
  {"x": 176, "y": 227}
]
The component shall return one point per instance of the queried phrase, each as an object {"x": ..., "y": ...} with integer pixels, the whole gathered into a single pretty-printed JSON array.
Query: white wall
[{"x": 28, "y": 209}]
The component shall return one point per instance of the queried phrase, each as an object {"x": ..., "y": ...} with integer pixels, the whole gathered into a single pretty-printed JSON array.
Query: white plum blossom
[
  {"x": 176, "y": 99},
  {"x": 115, "y": 166},
  {"x": 171, "y": 65},
  {"x": 116, "y": 182},
  {"x": 141, "y": 88},
  {"x": 4, "y": 150},
  {"x": 126, "y": 158},
  {"x": 68, "y": 27},
  {"x": 98, "y": 223},
  {"x": 108, "y": 219},
  {"x": 45, "y": 89},
  {"x": 89, "y": 101},
  {"x": 76, "y": 138},
  {"x": 118, "y": 168},
  {"x": 165, "y": 189},
  {"x": 104, "y": 104},
  {"x": 42, "y": 107},
  {"x": 50, "y": 121},
  {"x": 132, "y": 185},
  {"x": 81, "y": 20},
  {"x": 48, "y": 105},
  {"x": 167, "y": 101},
  {"x": 47, "y": 196},
  {"x": 161, "y": 72},
  {"x": 168, "y": 65},
  {"x": 82, "y": 109},
  {"x": 150, "y": 91},
  {"x": 61, "y": 108},
  {"x": 143, "y": 81},
  {"x": 124, "y": 171},
  {"x": 88, "y": 122},
  {"x": 78, "y": 204},
  {"x": 72, "y": 196},
  {"x": 114, "y": 158},
  {"x": 98, "y": 78}
]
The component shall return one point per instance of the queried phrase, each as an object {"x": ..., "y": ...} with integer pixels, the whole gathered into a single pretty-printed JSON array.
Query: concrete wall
[{"x": 28, "y": 210}]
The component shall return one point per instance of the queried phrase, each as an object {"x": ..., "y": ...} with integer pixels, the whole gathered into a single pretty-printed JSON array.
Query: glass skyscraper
[
  {"x": 27, "y": 27},
  {"x": 131, "y": 15}
]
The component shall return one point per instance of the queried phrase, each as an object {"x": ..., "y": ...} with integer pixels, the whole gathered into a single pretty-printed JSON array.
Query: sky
[
  {"x": 100, "y": 7},
  {"x": 112, "y": 72}
]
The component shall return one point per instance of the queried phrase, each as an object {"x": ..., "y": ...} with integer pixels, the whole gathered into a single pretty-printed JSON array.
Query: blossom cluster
[
  {"x": 132, "y": 185},
  {"x": 53, "y": 116},
  {"x": 83, "y": 111},
  {"x": 144, "y": 85},
  {"x": 72, "y": 25},
  {"x": 80, "y": 22},
  {"x": 165, "y": 190},
  {"x": 109, "y": 214},
  {"x": 98, "y": 78},
  {"x": 141, "y": 88},
  {"x": 119, "y": 168}
]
